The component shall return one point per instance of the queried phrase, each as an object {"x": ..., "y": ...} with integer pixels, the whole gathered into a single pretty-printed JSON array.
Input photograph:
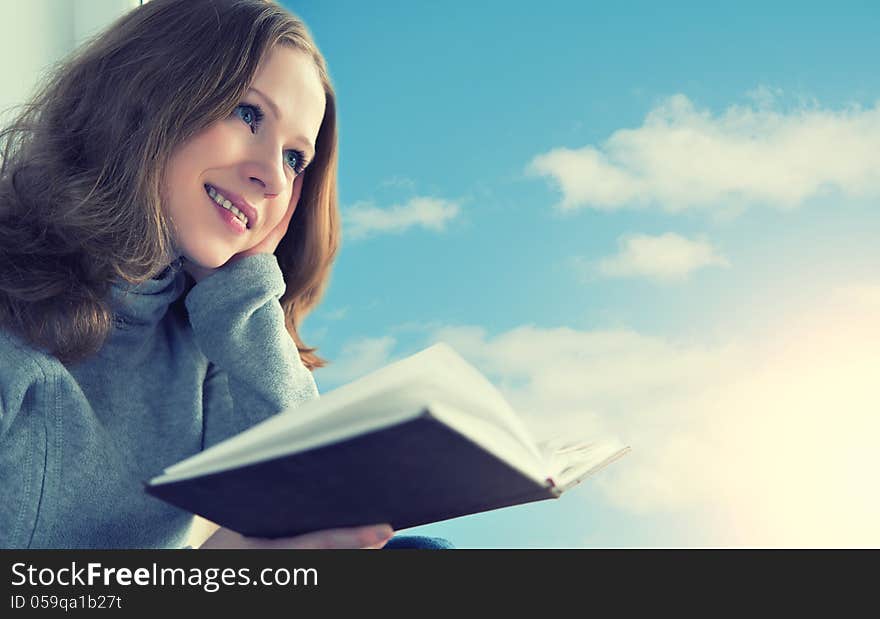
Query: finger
[
  {"x": 272, "y": 240},
  {"x": 378, "y": 546},
  {"x": 281, "y": 229},
  {"x": 290, "y": 210},
  {"x": 358, "y": 537},
  {"x": 337, "y": 540}
]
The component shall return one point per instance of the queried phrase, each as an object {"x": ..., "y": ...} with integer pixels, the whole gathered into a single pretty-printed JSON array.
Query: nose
[
  {"x": 266, "y": 189},
  {"x": 266, "y": 172},
  {"x": 266, "y": 195}
]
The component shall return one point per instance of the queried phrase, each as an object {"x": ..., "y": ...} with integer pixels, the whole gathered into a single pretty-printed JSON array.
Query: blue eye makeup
[{"x": 257, "y": 113}]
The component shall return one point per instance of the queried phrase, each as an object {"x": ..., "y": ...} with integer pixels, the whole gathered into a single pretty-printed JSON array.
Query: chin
[{"x": 205, "y": 257}]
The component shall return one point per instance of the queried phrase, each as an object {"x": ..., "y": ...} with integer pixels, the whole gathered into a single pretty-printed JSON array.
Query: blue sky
[{"x": 656, "y": 221}]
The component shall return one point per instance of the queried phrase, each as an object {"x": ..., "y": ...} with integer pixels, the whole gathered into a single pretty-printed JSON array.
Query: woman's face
[{"x": 258, "y": 159}]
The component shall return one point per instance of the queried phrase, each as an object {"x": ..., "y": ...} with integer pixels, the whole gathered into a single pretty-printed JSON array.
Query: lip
[{"x": 240, "y": 203}]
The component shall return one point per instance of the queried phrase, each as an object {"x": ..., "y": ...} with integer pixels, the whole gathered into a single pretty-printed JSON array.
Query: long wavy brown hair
[{"x": 83, "y": 164}]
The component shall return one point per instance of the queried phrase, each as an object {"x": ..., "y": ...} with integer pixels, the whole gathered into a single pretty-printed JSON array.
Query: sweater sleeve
[
  {"x": 254, "y": 370},
  {"x": 29, "y": 399},
  {"x": 22, "y": 457}
]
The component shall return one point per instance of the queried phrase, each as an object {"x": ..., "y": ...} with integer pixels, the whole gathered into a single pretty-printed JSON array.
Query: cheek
[
  {"x": 217, "y": 140},
  {"x": 207, "y": 149}
]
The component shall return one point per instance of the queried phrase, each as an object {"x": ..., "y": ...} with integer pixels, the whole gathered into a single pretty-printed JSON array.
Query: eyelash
[{"x": 301, "y": 162}]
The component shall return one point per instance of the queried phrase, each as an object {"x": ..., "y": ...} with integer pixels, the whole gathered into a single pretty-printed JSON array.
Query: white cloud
[
  {"x": 667, "y": 257},
  {"x": 684, "y": 158},
  {"x": 336, "y": 314},
  {"x": 765, "y": 438},
  {"x": 358, "y": 357},
  {"x": 314, "y": 335},
  {"x": 365, "y": 219},
  {"x": 399, "y": 181}
]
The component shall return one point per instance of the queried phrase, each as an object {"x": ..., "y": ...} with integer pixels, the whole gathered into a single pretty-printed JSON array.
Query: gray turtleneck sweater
[{"x": 77, "y": 442}]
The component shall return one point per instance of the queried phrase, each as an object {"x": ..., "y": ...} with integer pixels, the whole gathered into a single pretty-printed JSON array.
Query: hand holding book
[{"x": 373, "y": 537}]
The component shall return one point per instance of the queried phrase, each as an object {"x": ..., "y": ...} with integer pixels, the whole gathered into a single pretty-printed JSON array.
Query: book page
[
  {"x": 442, "y": 374},
  {"x": 579, "y": 463},
  {"x": 476, "y": 429},
  {"x": 436, "y": 374},
  {"x": 560, "y": 451},
  {"x": 311, "y": 426}
]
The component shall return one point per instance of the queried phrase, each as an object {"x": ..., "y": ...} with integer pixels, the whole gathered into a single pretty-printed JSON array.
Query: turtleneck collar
[{"x": 147, "y": 302}]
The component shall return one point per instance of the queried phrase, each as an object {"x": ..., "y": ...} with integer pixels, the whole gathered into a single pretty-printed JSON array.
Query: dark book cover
[{"x": 416, "y": 472}]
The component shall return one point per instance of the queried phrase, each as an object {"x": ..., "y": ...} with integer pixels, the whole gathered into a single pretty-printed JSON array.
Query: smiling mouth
[{"x": 232, "y": 208}]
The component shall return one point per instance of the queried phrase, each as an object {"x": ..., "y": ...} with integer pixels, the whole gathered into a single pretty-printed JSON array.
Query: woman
[{"x": 168, "y": 216}]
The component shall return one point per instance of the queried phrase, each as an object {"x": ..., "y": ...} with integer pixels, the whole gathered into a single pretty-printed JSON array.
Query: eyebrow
[{"x": 275, "y": 111}]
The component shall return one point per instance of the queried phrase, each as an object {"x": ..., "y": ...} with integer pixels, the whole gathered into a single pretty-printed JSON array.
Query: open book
[{"x": 420, "y": 440}]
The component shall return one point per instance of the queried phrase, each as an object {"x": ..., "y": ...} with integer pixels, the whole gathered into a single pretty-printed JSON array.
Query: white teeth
[{"x": 219, "y": 199}]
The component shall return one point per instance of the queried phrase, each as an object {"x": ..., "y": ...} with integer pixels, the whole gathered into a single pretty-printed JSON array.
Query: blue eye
[{"x": 257, "y": 113}]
